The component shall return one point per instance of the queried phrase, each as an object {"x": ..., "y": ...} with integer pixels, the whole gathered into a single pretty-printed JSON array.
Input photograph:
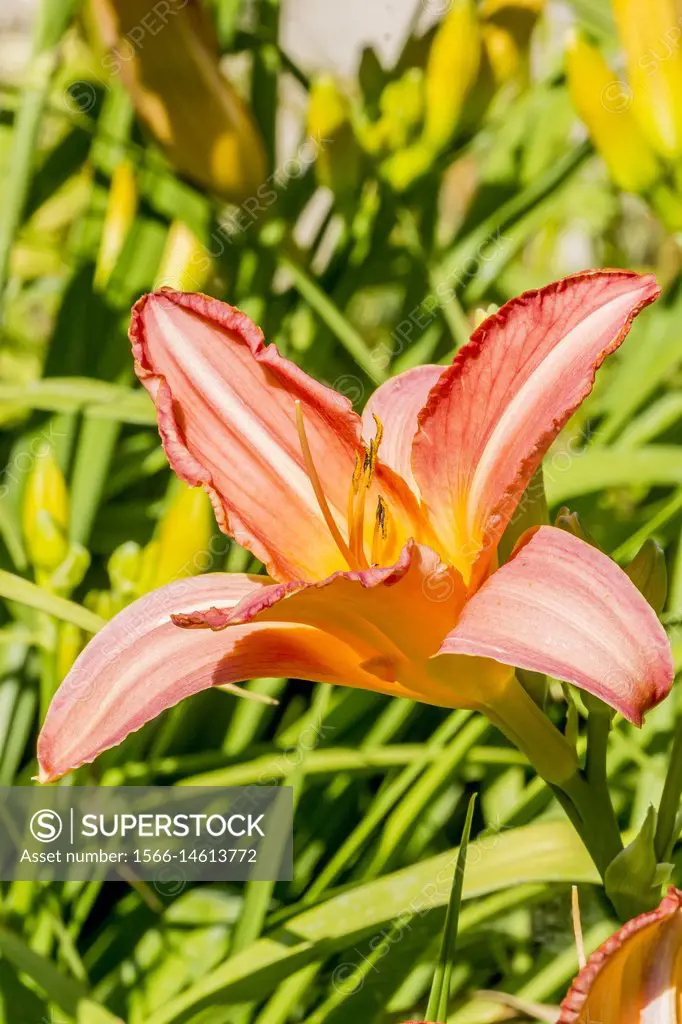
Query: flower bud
[
  {"x": 185, "y": 263},
  {"x": 70, "y": 642},
  {"x": 124, "y": 567},
  {"x": 451, "y": 71},
  {"x": 121, "y": 207},
  {"x": 337, "y": 163},
  {"x": 402, "y": 106},
  {"x": 603, "y": 103},
  {"x": 103, "y": 603},
  {"x": 652, "y": 33},
  {"x": 506, "y": 28},
  {"x": 401, "y": 169},
  {"x": 45, "y": 513},
  {"x": 648, "y": 572},
  {"x": 70, "y": 571},
  {"x": 572, "y": 523},
  {"x": 169, "y": 62},
  {"x": 182, "y": 541}
]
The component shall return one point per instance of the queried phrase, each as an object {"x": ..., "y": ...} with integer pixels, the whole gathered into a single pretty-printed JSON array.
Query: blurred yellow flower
[
  {"x": 168, "y": 60},
  {"x": 45, "y": 513},
  {"x": 121, "y": 208},
  {"x": 451, "y": 70},
  {"x": 337, "y": 165},
  {"x": 603, "y": 104},
  {"x": 506, "y": 27},
  {"x": 182, "y": 544},
  {"x": 651, "y": 34}
]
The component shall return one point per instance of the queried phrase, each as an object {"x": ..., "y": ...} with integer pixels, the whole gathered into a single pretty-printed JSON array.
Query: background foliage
[{"x": 364, "y": 239}]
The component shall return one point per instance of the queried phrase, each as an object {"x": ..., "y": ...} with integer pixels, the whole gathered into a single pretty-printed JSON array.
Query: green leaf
[
  {"x": 630, "y": 879},
  {"x": 335, "y": 320},
  {"x": 437, "y": 1009},
  {"x": 597, "y": 468},
  {"x": 549, "y": 852},
  {"x": 97, "y": 398},
  {"x": 15, "y": 588},
  {"x": 69, "y": 995}
]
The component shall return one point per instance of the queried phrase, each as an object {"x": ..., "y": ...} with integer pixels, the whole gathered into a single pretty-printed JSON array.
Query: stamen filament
[
  {"x": 357, "y": 526},
  {"x": 319, "y": 493}
]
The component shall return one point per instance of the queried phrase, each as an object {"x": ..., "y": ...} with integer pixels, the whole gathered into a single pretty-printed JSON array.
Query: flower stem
[
  {"x": 585, "y": 799},
  {"x": 598, "y": 729},
  {"x": 670, "y": 800},
  {"x": 597, "y": 824},
  {"x": 517, "y": 715}
]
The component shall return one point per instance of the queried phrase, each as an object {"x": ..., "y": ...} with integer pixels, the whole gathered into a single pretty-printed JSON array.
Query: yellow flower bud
[
  {"x": 70, "y": 642},
  {"x": 405, "y": 166},
  {"x": 168, "y": 60},
  {"x": 652, "y": 37},
  {"x": 451, "y": 71},
  {"x": 182, "y": 545},
  {"x": 124, "y": 567},
  {"x": 45, "y": 513},
  {"x": 402, "y": 107},
  {"x": 121, "y": 208},
  {"x": 70, "y": 571},
  {"x": 185, "y": 263},
  {"x": 103, "y": 603},
  {"x": 572, "y": 523},
  {"x": 506, "y": 27},
  {"x": 337, "y": 162},
  {"x": 603, "y": 103}
]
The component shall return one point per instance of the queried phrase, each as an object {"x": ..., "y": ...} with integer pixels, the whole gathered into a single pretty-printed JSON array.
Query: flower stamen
[
  {"x": 319, "y": 493},
  {"x": 362, "y": 480}
]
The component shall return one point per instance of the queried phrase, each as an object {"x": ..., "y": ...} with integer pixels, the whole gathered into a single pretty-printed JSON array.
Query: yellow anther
[{"x": 362, "y": 479}]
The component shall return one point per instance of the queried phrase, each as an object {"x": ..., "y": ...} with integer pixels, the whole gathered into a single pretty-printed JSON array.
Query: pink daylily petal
[
  {"x": 395, "y": 618},
  {"x": 562, "y": 607},
  {"x": 397, "y": 404},
  {"x": 227, "y": 418},
  {"x": 493, "y": 414},
  {"x": 636, "y": 975},
  {"x": 141, "y": 663}
]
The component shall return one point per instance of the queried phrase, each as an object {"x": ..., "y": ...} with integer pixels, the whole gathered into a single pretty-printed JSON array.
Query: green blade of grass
[
  {"x": 337, "y": 323},
  {"x": 549, "y": 852},
  {"x": 437, "y": 1009},
  {"x": 50, "y": 25},
  {"x": 15, "y": 588}
]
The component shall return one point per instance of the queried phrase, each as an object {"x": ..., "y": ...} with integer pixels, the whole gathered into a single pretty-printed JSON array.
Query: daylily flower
[
  {"x": 379, "y": 533},
  {"x": 636, "y": 975}
]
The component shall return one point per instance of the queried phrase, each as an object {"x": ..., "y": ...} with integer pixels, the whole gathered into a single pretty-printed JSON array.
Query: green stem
[
  {"x": 598, "y": 827},
  {"x": 517, "y": 715},
  {"x": 587, "y": 804},
  {"x": 598, "y": 729},
  {"x": 666, "y": 827},
  {"x": 335, "y": 320}
]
